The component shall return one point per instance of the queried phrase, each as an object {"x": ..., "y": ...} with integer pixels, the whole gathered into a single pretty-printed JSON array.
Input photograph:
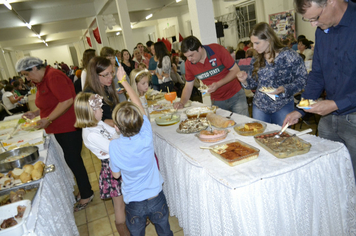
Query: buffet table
[
  {"x": 52, "y": 208},
  {"x": 310, "y": 194}
]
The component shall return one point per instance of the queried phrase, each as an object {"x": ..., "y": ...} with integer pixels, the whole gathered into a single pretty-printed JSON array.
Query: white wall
[{"x": 52, "y": 54}]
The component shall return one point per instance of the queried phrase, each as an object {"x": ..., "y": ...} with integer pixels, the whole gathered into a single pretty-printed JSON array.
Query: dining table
[{"x": 308, "y": 194}]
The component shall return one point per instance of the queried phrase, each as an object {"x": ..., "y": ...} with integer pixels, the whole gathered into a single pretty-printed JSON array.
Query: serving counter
[
  {"x": 52, "y": 207},
  {"x": 309, "y": 194}
]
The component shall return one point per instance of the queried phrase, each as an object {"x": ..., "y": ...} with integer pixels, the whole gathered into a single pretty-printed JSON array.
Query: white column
[
  {"x": 3, "y": 66},
  {"x": 124, "y": 17},
  {"x": 202, "y": 20},
  {"x": 102, "y": 31}
]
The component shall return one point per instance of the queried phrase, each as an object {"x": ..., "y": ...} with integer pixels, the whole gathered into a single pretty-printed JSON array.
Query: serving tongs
[
  {"x": 282, "y": 130},
  {"x": 298, "y": 134}
]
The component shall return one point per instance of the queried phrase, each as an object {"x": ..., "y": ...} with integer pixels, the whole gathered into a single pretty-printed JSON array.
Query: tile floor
[{"x": 98, "y": 218}]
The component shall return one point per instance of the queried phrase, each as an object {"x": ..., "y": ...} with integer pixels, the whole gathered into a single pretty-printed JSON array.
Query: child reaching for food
[
  {"x": 142, "y": 182},
  {"x": 96, "y": 137}
]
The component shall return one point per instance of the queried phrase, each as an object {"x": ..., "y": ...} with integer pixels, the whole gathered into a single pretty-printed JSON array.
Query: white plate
[
  {"x": 305, "y": 108},
  {"x": 267, "y": 92},
  {"x": 10, "y": 210}
]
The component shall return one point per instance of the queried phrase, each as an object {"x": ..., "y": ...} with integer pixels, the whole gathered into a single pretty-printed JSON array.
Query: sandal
[
  {"x": 80, "y": 206},
  {"x": 78, "y": 198}
]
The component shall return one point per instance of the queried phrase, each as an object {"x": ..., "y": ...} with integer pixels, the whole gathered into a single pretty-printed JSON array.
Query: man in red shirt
[{"x": 215, "y": 67}]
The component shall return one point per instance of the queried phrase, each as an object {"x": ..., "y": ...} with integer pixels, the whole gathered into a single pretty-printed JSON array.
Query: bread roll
[
  {"x": 219, "y": 121},
  {"x": 16, "y": 173},
  {"x": 28, "y": 168},
  {"x": 39, "y": 165},
  {"x": 25, "y": 177},
  {"x": 36, "y": 174}
]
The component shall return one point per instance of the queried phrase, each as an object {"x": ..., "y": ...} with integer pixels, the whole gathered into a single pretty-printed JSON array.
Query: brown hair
[
  {"x": 264, "y": 32},
  {"x": 87, "y": 55},
  {"x": 83, "y": 112},
  {"x": 96, "y": 66},
  {"x": 160, "y": 52},
  {"x": 128, "y": 117},
  {"x": 302, "y": 5},
  {"x": 107, "y": 52}
]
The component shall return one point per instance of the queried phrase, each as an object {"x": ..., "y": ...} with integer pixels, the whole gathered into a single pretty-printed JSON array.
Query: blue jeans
[
  {"x": 274, "y": 118},
  {"x": 341, "y": 129},
  {"x": 155, "y": 209},
  {"x": 236, "y": 103}
]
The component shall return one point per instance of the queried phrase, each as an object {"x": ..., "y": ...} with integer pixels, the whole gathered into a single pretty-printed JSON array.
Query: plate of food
[
  {"x": 212, "y": 136},
  {"x": 267, "y": 89},
  {"x": 166, "y": 120},
  {"x": 192, "y": 125},
  {"x": 250, "y": 128},
  {"x": 305, "y": 104}
]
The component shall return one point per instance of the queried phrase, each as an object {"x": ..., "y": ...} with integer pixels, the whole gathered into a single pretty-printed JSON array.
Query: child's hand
[{"x": 120, "y": 73}]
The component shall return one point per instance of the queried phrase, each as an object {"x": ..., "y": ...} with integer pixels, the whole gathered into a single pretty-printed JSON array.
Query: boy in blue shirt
[{"x": 132, "y": 157}]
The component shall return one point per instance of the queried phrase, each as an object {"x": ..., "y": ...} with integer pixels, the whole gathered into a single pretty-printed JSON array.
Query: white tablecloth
[
  {"x": 310, "y": 194},
  {"x": 52, "y": 209}
]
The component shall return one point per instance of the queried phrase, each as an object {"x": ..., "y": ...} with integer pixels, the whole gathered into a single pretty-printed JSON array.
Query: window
[{"x": 245, "y": 19}]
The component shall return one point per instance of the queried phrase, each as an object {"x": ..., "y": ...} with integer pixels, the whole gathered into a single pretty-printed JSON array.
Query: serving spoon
[
  {"x": 298, "y": 134},
  {"x": 282, "y": 130}
]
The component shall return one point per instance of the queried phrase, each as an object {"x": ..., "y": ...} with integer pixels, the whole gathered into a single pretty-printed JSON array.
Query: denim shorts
[{"x": 155, "y": 209}]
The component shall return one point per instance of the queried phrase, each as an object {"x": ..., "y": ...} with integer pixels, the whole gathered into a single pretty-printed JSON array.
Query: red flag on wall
[
  {"x": 180, "y": 38},
  {"x": 159, "y": 39},
  {"x": 97, "y": 35},
  {"x": 89, "y": 42}
]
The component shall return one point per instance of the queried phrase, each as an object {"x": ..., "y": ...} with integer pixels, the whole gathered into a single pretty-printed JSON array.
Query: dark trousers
[{"x": 71, "y": 144}]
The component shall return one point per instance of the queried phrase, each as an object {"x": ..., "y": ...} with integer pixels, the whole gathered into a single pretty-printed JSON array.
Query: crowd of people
[{"x": 104, "y": 104}]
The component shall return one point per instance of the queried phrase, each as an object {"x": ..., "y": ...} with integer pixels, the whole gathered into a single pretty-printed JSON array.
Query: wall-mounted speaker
[{"x": 219, "y": 29}]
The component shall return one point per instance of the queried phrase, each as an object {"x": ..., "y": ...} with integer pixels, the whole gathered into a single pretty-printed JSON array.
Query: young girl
[
  {"x": 140, "y": 80},
  {"x": 96, "y": 137}
]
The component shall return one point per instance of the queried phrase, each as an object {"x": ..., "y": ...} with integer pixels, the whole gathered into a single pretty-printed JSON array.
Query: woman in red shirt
[{"x": 54, "y": 98}]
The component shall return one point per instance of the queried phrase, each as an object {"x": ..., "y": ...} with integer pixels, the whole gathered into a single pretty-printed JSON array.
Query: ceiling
[{"x": 61, "y": 22}]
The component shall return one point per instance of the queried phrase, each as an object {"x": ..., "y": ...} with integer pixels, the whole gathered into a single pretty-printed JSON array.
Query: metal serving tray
[{"x": 31, "y": 191}]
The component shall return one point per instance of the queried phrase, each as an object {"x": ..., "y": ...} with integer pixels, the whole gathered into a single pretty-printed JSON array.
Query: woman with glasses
[
  {"x": 277, "y": 68},
  {"x": 100, "y": 81}
]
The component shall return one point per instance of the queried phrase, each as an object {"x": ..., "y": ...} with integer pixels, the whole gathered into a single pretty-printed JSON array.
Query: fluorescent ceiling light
[
  {"x": 178, "y": 0},
  {"x": 28, "y": 25},
  {"x": 43, "y": 41},
  {"x": 8, "y": 5},
  {"x": 117, "y": 33},
  {"x": 149, "y": 16},
  {"x": 38, "y": 36},
  {"x": 46, "y": 44}
]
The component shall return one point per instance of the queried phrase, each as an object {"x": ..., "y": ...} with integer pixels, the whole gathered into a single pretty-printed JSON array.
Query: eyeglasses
[
  {"x": 107, "y": 75},
  {"x": 316, "y": 19}
]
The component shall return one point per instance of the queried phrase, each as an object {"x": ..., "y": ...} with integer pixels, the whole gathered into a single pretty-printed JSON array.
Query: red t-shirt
[
  {"x": 56, "y": 87},
  {"x": 216, "y": 66}
]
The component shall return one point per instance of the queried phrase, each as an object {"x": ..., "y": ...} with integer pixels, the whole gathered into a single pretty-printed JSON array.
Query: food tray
[
  {"x": 34, "y": 138},
  {"x": 167, "y": 120},
  {"x": 193, "y": 112},
  {"x": 31, "y": 192},
  {"x": 212, "y": 139},
  {"x": 239, "y": 128},
  {"x": 32, "y": 156},
  {"x": 46, "y": 170},
  {"x": 10, "y": 210},
  {"x": 292, "y": 147},
  {"x": 237, "y": 160}
]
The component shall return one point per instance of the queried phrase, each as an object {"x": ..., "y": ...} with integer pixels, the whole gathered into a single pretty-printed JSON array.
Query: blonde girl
[
  {"x": 140, "y": 81},
  {"x": 96, "y": 137}
]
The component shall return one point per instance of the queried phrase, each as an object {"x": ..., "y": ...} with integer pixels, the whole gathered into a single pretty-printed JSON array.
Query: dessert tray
[
  {"x": 234, "y": 152},
  {"x": 195, "y": 112},
  {"x": 250, "y": 128}
]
